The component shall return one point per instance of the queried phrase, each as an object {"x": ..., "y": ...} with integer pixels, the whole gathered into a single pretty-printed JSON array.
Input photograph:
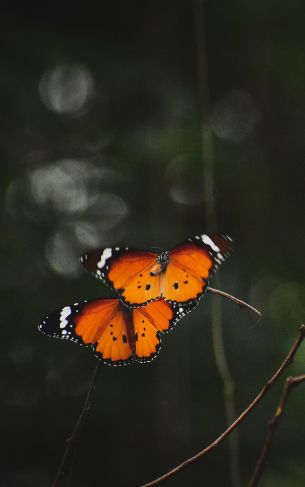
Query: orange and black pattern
[
  {"x": 118, "y": 335},
  {"x": 179, "y": 276}
]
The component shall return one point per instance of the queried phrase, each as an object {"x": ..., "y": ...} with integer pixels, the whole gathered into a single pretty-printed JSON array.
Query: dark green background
[{"x": 134, "y": 177}]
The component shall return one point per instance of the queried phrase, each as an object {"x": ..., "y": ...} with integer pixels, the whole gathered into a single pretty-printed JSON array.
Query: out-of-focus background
[{"x": 101, "y": 145}]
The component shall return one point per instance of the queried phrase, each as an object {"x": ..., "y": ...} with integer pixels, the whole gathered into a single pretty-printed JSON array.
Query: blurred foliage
[{"x": 101, "y": 145}]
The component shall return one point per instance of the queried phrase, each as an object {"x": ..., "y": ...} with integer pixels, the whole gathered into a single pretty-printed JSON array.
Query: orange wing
[
  {"x": 149, "y": 322},
  {"x": 101, "y": 324},
  {"x": 191, "y": 265},
  {"x": 134, "y": 274},
  {"x": 118, "y": 335}
]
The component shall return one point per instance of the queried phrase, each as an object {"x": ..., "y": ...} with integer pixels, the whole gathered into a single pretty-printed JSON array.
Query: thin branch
[
  {"x": 290, "y": 383},
  {"x": 207, "y": 141},
  {"x": 286, "y": 362},
  {"x": 241, "y": 303},
  {"x": 71, "y": 439}
]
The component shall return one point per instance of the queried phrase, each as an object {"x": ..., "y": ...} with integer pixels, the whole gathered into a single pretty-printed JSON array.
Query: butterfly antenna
[{"x": 158, "y": 249}]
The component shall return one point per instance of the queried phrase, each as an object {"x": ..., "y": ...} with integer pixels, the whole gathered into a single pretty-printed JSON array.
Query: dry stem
[
  {"x": 241, "y": 303},
  {"x": 71, "y": 439},
  {"x": 286, "y": 362},
  {"x": 290, "y": 383}
]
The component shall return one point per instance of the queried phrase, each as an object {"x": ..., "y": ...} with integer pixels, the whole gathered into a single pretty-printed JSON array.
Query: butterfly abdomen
[{"x": 162, "y": 262}]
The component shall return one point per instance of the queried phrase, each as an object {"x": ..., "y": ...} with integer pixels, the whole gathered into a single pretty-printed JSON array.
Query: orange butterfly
[
  {"x": 117, "y": 334},
  {"x": 180, "y": 275}
]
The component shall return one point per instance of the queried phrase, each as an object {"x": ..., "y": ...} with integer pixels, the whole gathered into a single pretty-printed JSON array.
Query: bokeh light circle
[{"x": 66, "y": 89}]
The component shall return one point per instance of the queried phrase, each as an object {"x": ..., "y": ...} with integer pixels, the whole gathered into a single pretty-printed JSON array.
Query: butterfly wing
[
  {"x": 152, "y": 320},
  {"x": 126, "y": 271},
  {"x": 101, "y": 324},
  {"x": 191, "y": 266}
]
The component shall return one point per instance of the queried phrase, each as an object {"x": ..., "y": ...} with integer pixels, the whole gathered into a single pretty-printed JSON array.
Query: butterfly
[
  {"x": 117, "y": 334},
  {"x": 179, "y": 276}
]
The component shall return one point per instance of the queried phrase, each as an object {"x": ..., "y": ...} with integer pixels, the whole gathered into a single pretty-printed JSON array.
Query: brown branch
[
  {"x": 286, "y": 362},
  {"x": 290, "y": 383},
  {"x": 241, "y": 303},
  {"x": 71, "y": 439}
]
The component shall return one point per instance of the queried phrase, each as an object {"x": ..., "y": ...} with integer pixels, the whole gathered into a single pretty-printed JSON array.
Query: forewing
[
  {"x": 100, "y": 324},
  {"x": 126, "y": 271},
  {"x": 191, "y": 266}
]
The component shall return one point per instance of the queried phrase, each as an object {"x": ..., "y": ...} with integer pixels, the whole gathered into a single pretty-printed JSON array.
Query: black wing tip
[
  {"x": 220, "y": 246},
  {"x": 224, "y": 242}
]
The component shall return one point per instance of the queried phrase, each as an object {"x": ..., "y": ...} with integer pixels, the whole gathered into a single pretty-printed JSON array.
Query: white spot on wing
[
  {"x": 105, "y": 255},
  {"x": 208, "y": 241},
  {"x": 65, "y": 312}
]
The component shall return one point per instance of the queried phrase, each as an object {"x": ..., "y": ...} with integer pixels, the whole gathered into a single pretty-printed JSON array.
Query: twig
[
  {"x": 241, "y": 303},
  {"x": 290, "y": 383},
  {"x": 286, "y": 362},
  {"x": 71, "y": 439}
]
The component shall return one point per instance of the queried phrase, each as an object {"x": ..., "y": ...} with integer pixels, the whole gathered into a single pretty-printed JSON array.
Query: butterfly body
[
  {"x": 180, "y": 275},
  {"x": 162, "y": 263}
]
